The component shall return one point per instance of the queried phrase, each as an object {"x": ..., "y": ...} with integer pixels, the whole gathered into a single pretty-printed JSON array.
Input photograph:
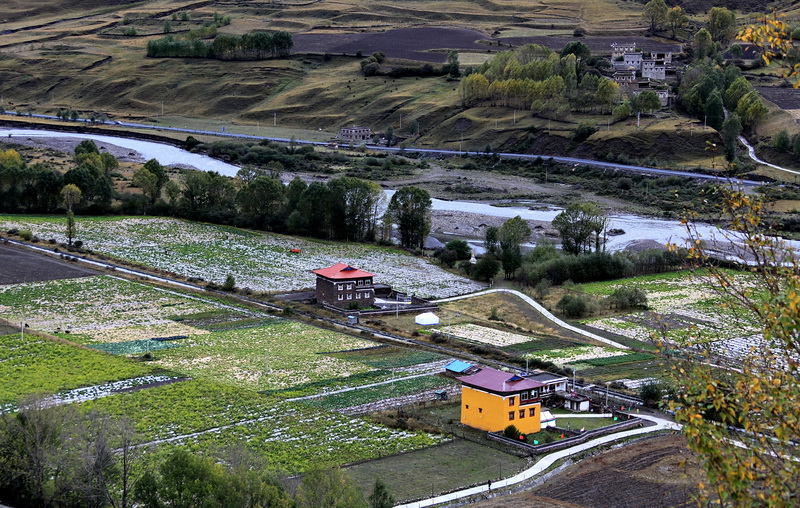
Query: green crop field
[{"x": 28, "y": 364}]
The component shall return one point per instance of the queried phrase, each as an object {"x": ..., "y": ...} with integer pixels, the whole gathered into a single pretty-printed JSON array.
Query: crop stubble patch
[{"x": 19, "y": 266}]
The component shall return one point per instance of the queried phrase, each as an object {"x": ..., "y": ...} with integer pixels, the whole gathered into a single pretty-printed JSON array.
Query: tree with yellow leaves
[
  {"x": 740, "y": 408},
  {"x": 772, "y": 37}
]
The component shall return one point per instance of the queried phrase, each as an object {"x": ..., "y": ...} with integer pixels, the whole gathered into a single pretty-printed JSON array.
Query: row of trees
[
  {"x": 252, "y": 46},
  {"x": 344, "y": 208},
  {"x": 534, "y": 77},
  {"x": 62, "y": 456}
]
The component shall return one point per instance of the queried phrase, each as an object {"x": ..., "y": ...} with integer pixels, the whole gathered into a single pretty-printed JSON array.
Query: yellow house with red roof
[{"x": 492, "y": 399}]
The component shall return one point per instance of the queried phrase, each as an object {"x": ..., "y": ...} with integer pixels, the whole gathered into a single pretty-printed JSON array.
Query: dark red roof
[
  {"x": 499, "y": 381},
  {"x": 342, "y": 271}
]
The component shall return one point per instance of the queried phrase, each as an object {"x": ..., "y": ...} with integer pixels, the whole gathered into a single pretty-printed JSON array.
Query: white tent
[
  {"x": 427, "y": 319},
  {"x": 547, "y": 419}
]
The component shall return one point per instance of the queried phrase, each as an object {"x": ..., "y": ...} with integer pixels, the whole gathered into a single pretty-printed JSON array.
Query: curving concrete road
[
  {"x": 545, "y": 462},
  {"x": 541, "y": 310}
]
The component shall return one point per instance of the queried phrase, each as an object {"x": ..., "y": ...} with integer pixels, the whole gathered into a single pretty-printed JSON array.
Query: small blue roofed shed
[{"x": 458, "y": 367}]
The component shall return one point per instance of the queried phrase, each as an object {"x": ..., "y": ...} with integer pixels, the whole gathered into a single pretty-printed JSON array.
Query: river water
[
  {"x": 167, "y": 155},
  {"x": 635, "y": 228}
]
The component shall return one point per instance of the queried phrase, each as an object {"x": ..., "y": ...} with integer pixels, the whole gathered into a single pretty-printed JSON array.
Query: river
[{"x": 635, "y": 228}]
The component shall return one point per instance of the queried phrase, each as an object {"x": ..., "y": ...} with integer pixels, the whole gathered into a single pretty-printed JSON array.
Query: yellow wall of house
[{"x": 490, "y": 412}]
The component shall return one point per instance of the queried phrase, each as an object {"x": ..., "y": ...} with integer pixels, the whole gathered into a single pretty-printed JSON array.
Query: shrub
[
  {"x": 579, "y": 32},
  {"x": 628, "y": 298},
  {"x": 511, "y": 432},
  {"x": 573, "y": 306},
  {"x": 584, "y": 130},
  {"x": 229, "y": 284},
  {"x": 781, "y": 140},
  {"x": 26, "y": 235},
  {"x": 460, "y": 247}
]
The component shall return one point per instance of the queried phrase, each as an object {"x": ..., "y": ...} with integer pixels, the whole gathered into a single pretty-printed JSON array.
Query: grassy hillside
[{"x": 77, "y": 55}]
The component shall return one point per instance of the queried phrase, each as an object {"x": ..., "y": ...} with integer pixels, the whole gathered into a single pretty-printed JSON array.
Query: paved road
[
  {"x": 545, "y": 462},
  {"x": 426, "y": 151}
]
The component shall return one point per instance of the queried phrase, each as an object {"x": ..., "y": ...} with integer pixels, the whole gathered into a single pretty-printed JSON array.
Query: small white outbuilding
[{"x": 427, "y": 319}]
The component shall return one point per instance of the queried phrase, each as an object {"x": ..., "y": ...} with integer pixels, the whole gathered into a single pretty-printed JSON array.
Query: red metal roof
[
  {"x": 499, "y": 381},
  {"x": 342, "y": 271}
]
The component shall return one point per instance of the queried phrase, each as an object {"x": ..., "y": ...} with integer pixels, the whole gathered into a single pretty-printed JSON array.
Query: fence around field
[{"x": 570, "y": 441}]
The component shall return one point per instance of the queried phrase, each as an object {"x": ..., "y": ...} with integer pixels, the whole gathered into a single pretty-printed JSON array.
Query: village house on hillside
[
  {"x": 341, "y": 285},
  {"x": 355, "y": 134},
  {"x": 638, "y": 71}
]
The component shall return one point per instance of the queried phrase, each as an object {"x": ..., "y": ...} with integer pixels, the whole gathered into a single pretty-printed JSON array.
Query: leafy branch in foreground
[{"x": 738, "y": 404}]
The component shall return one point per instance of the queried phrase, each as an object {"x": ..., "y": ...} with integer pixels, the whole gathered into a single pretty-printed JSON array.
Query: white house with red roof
[{"x": 342, "y": 285}]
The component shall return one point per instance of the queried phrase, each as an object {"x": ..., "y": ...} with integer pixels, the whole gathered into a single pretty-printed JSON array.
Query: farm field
[
  {"x": 683, "y": 307},
  {"x": 28, "y": 364},
  {"x": 439, "y": 469},
  {"x": 259, "y": 261},
  {"x": 202, "y": 415},
  {"x": 222, "y": 353},
  {"x": 655, "y": 472}
]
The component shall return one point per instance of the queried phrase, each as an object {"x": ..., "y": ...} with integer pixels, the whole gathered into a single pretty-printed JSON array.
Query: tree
[
  {"x": 229, "y": 284},
  {"x": 452, "y": 64},
  {"x": 676, "y": 19},
  {"x": 580, "y": 224},
  {"x": 512, "y": 234},
  {"x": 702, "y": 44},
  {"x": 721, "y": 24},
  {"x": 607, "y": 93},
  {"x": 261, "y": 200},
  {"x": 781, "y": 140},
  {"x": 740, "y": 416},
  {"x": 410, "y": 209},
  {"x": 486, "y": 268},
  {"x": 460, "y": 247},
  {"x": 655, "y": 14},
  {"x": 714, "y": 111},
  {"x": 773, "y": 38},
  {"x": 751, "y": 109},
  {"x": 491, "y": 239},
  {"x": 380, "y": 496},
  {"x": 648, "y": 101},
  {"x": 328, "y": 488},
  {"x": 147, "y": 182},
  {"x": 731, "y": 129},
  {"x": 70, "y": 195}
]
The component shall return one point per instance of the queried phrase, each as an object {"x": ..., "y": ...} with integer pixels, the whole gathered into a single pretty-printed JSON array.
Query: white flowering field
[
  {"x": 260, "y": 261},
  {"x": 576, "y": 354},
  {"x": 101, "y": 308},
  {"x": 684, "y": 306},
  {"x": 485, "y": 335}
]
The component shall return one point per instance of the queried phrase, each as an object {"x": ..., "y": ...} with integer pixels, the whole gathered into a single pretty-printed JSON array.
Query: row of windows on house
[
  {"x": 511, "y": 414},
  {"x": 350, "y": 296},
  {"x": 529, "y": 394},
  {"x": 361, "y": 282}
]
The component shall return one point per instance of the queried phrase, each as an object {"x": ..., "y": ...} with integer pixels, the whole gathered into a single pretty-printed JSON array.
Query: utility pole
[
  {"x": 274, "y": 119},
  {"x": 515, "y": 117},
  {"x": 266, "y": 368},
  {"x": 401, "y": 121},
  {"x": 162, "y": 108}
]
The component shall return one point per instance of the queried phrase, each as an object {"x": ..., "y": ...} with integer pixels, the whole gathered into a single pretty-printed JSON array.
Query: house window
[
  {"x": 360, "y": 282},
  {"x": 466, "y": 406},
  {"x": 350, "y": 296},
  {"x": 525, "y": 395},
  {"x": 358, "y": 296},
  {"x": 510, "y": 415},
  {"x": 522, "y": 413},
  {"x": 511, "y": 401},
  {"x": 341, "y": 287},
  {"x": 340, "y": 297},
  {"x": 532, "y": 411},
  {"x": 480, "y": 410},
  {"x": 349, "y": 287}
]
